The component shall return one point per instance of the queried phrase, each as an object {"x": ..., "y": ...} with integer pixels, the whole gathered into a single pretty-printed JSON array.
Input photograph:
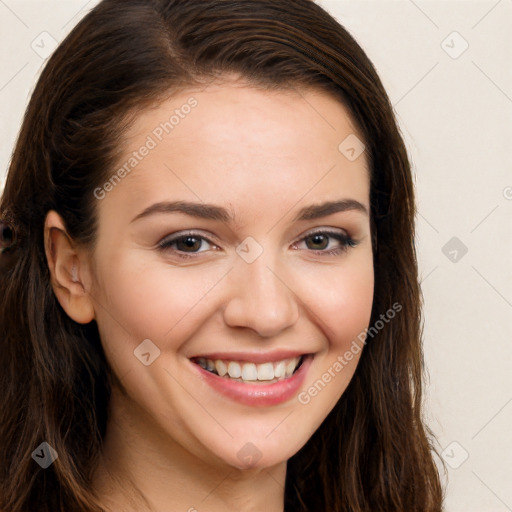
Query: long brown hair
[{"x": 373, "y": 452}]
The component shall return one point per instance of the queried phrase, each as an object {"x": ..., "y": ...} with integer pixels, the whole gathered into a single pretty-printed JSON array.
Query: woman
[{"x": 209, "y": 286}]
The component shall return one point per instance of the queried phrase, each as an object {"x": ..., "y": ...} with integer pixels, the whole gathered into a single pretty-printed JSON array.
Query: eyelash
[{"x": 346, "y": 242}]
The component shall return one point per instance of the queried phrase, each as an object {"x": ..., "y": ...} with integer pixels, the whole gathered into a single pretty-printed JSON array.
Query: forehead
[{"x": 230, "y": 143}]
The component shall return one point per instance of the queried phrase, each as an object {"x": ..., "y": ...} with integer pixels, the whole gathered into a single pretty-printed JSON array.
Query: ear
[{"x": 68, "y": 270}]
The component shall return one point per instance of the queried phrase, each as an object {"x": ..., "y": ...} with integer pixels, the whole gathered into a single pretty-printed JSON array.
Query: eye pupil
[
  {"x": 189, "y": 242},
  {"x": 319, "y": 239}
]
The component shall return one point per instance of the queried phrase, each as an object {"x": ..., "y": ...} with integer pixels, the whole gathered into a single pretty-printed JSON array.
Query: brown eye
[
  {"x": 319, "y": 242},
  {"x": 188, "y": 244},
  {"x": 329, "y": 243}
]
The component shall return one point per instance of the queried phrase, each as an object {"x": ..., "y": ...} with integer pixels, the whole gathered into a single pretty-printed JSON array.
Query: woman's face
[{"x": 229, "y": 238}]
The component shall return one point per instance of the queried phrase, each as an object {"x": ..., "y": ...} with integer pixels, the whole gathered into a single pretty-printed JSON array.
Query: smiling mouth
[{"x": 241, "y": 371}]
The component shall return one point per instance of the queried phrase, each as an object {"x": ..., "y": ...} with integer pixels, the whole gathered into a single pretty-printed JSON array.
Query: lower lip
[{"x": 257, "y": 394}]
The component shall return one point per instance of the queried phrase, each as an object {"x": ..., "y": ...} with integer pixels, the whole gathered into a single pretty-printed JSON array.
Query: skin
[{"x": 263, "y": 156}]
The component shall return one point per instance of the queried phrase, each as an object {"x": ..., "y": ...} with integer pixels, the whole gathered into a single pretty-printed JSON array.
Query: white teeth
[
  {"x": 221, "y": 367},
  {"x": 234, "y": 370},
  {"x": 266, "y": 371},
  {"x": 251, "y": 372},
  {"x": 290, "y": 367},
  {"x": 280, "y": 369}
]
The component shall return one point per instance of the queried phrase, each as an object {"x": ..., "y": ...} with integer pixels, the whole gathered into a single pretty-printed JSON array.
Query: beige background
[{"x": 447, "y": 66}]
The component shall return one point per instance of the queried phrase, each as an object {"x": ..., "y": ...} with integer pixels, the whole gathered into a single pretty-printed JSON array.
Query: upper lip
[{"x": 253, "y": 357}]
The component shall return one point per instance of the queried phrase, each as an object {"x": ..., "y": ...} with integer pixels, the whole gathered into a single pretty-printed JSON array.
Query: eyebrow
[{"x": 213, "y": 212}]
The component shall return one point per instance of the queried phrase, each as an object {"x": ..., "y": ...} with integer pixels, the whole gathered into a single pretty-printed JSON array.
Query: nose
[{"x": 260, "y": 299}]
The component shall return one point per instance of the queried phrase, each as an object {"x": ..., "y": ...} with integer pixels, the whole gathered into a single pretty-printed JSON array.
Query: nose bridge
[{"x": 259, "y": 297}]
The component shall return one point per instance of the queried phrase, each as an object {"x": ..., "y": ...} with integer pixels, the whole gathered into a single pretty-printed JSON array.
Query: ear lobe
[{"x": 67, "y": 268}]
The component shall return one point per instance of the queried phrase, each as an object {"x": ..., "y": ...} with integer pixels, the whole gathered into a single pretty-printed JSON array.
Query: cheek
[
  {"x": 153, "y": 301},
  {"x": 342, "y": 307},
  {"x": 342, "y": 301}
]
